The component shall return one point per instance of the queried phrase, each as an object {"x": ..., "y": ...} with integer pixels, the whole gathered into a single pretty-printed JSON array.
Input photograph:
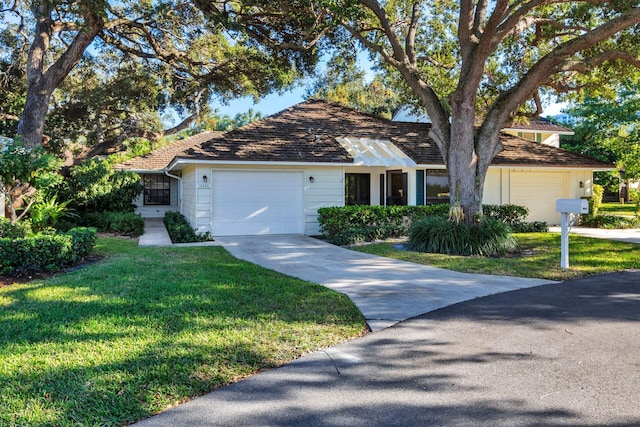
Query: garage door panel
[
  {"x": 257, "y": 202},
  {"x": 538, "y": 192}
]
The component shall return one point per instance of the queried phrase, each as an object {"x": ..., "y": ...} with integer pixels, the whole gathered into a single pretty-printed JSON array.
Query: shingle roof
[
  {"x": 307, "y": 132},
  {"x": 160, "y": 158},
  {"x": 540, "y": 124}
]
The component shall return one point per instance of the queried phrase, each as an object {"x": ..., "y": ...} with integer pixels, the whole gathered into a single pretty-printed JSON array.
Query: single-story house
[{"x": 272, "y": 175}]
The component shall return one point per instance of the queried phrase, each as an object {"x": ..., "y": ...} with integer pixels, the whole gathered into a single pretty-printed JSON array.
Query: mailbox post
[{"x": 569, "y": 210}]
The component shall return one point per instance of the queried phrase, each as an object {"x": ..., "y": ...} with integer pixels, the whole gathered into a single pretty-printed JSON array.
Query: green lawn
[
  {"x": 628, "y": 209},
  {"x": 540, "y": 257},
  {"x": 147, "y": 328}
]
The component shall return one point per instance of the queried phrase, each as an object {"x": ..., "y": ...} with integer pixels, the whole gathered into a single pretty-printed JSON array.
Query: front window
[
  {"x": 157, "y": 190},
  {"x": 437, "y": 186},
  {"x": 357, "y": 189}
]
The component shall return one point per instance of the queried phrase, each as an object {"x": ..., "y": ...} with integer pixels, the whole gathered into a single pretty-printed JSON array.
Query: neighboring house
[
  {"x": 539, "y": 130},
  {"x": 271, "y": 176}
]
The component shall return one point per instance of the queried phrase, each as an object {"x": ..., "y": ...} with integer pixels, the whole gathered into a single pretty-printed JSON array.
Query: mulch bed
[{"x": 28, "y": 275}]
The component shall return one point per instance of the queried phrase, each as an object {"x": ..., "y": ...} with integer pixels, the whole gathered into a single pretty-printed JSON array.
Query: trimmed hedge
[
  {"x": 181, "y": 231},
  {"x": 128, "y": 223},
  {"x": 515, "y": 217},
  {"x": 345, "y": 225},
  {"x": 46, "y": 252}
]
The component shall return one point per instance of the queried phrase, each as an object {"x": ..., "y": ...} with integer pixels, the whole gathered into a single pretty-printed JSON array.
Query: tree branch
[
  {"x": 410, "y": 41},
  {"x": 558, "y": 60}
]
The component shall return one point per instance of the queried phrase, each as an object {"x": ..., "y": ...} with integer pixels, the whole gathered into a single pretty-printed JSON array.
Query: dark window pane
[
  {"x": 357, "y": 188},
  {"x": 157, "y": 190},
  {"x": 437, "y": 186}
]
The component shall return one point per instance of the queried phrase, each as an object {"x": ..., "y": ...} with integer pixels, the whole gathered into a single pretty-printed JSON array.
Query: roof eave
[{"x": 192, "y": 161}]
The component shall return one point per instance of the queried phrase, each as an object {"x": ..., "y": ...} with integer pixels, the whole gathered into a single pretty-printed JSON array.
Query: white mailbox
[
  {"x": 577, "y": 206},
  {"x": 569, "y": 209}
]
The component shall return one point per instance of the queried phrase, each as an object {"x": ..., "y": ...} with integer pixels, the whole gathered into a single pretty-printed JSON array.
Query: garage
[
  {"x": 539, "y": 192},
  {"x": 257, "y": 202}
]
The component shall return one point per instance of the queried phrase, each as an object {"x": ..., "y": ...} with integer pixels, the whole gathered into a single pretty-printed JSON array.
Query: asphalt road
[{"x": 553, "y": 355}]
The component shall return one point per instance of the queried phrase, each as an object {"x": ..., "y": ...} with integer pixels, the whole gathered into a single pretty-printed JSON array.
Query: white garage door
[
  {"x": 257, "y": 202},
  {"x": 538, "y": 192}
]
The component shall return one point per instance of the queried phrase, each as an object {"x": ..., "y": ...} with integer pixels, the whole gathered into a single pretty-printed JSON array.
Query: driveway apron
[{"x": 386, "y": 291}]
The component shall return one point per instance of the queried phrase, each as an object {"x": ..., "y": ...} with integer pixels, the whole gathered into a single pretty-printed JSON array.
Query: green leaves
[
  {"x": 610, "y": 129},
  {"x": 95, "y": 186},
  {"x": 25, "y": 171}
]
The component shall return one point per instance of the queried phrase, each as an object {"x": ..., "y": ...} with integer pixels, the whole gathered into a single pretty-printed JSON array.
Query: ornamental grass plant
[{"x": 439, "y": 235}]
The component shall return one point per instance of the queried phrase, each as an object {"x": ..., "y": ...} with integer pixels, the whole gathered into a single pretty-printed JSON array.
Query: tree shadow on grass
[{"x": 155, "y": 333}]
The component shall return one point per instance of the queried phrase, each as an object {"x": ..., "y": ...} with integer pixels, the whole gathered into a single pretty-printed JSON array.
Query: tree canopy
[
  {"x": 610, "y": 129},
  {"x": 136, "y": 59},
  {"x": 344, "y": 82}
]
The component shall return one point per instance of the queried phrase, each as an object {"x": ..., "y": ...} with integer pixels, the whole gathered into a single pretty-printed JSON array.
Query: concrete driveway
[
  {"x": 565, "y": 354},
  {"x": 386, "y": 291}
]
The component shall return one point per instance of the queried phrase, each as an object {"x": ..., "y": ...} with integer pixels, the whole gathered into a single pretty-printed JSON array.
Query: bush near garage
[
  {"x": 515, "y": 217},
  {"x": 46, "y": 252},
  {"x": 346, "y": 225},
  {"x": 181, "y": 231}
]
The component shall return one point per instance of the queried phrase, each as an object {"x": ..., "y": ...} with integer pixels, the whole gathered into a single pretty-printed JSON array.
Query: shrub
[
  {"x": 608, "y": 221},
  {"x": 47, "y": 213},
  {"x": 181, "y": 231},
  {"x": 343, "y": 225},
  {"x": 530, "y": 227},
  {"x": 514, "y": 216},
  {"x": 46, "y": 252},
  {"x": 95, "y": 186},
  {"x": 595, "y": 201},
  {"x": 438, "y": 235},
  {"x": 509, "y": 214},
  {"x": 13, "y": 231},
  {"x": 128, "y": 223}
]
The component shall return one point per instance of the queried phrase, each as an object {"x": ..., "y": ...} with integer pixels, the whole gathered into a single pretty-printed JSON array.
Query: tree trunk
[
  {"x": 31, "y": 126},
  {"x": 465, "y": 178},
  {"x": 40, "y": 82}
]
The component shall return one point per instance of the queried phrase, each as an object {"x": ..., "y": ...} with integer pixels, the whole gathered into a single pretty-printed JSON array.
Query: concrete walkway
[
  {"x": 631, "y": 235},
  {"x": 155, "y": 233},
  {"x": 385, "y": 290}
]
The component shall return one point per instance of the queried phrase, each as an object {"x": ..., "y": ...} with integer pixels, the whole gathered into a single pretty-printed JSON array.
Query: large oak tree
[
  {"x": 166, "y": 43},
  {"x": 474, "y": 66}
]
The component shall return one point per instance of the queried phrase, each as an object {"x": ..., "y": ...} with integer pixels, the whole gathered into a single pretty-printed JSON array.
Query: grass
[
  {"x": 615, "y": 208},
  {"x": 541, "y": 257},
  {"x": 148, "y": 328}
]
